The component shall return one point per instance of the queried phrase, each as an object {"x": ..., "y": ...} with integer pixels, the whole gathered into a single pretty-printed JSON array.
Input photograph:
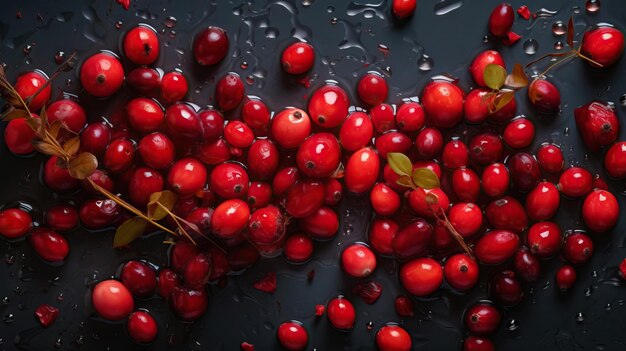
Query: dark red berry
[
  {"x": 507, "y": 213},
  {"x": 404, "y": 306},
  {"x": 119, "y": 155},
  {"x": 156, "y": 150},
  {"x": 578, "y": 248},
  {"x": 496, "y": 246},
  {"x": 210, "y": 46},
  {"x": 501, "y": 20},
  {"x": 144, "y": 80},
  {"x": 526, "y": 265},
  {"x": 229, "y": 91},
  {"x": 341, "y": 313},
  {"x": 381, "y": 235},
  {"x": 298, "y": 58},
  {"x": 98, "y": 214},
  {"x": 428, "y": 143},
  {"x": 506, "y": 288},
  {"x": 485, "y": 148},
  {"x": 62, "y": 217},
  {"x": 15, "y": 223},
  {"x": 95, "y": 138},
  {"x": 412, "y": 240},
  {"x": 255, "y": 114},
  {"x": 142, "y": 327},
  {"x": 49, "y": 245},
  {"x": 322, "y": 224},
  {"x": 565, "y": 277},
  {"x": 139, "y": 278},
  {"x": 525, "y": 172},
  {"x": 544, "y": 96},
  {"x": 478, "y": 343},
  {"x": 189, "y": 304},
  {"x": 298, "y": 248},
  {"x": 372, "y": 88},
  {"x": 465, "y": 184},
  {"x": 383, "y": 118},
  {"x": 597, "y": 124},
  {"x": 46, "y": 314},
  {"x": 482, "y": 318}
]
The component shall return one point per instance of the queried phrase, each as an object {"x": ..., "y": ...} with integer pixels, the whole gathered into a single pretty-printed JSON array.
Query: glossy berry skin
[
  {"x": 328, "y": 106},
  {"x": 526, "y": 265},
  {"x": 187, "y": 176},
  {"x": 507, "y": 213},
  {"x": 230, "y": 217},
  {"x": 229, "y": 91},
  {"x": 362, "y": 170},
  {"x": 139, "y": 278},
  {"x": 144, "y": 115},
  {"x": 544, "y": 239},
  {"x": 455, "y": 154},
  {"x": 341, "y": 313},
  {"x": 404, "y": 306},
  {"x": 565, "y": 277},
  {"x": 95, "y": 138},
  {"x": 461, "y": 272},
  {"x": 597, "y": 124},
  {"x": 119, "y": 155},
  {"x": 182, "y": 120},
  {"x": 181, "y": 253},
  {"x": 358, "y": 261},
  {"x": 144, "y": 80},
  {"x": 102, "y": 75},
  {"x": 385, "y": 201},
  {"x": 27, "y": 84},
  {"x": 266, "y": 226},
  {"x": 18, "y": 137},
  {"x": 356, "y": 131},
  {"x": 58, "y": 179},
  {"x": 290, "y": 127},
  {"x": 410, "y": 117},
  {"x": 485, "y": 148},
  {"x": 422, "y": 276},
  {"x": 263, "y": 159},
  {"x": 578, "y": 248},
  {"x": 506, "y": 288},
  {"x": 422, "y": 208},
  {"x": 292, "y": 336},
  {"x": 600, "y": 211},
  {"x": 477, "y": 68},
  {"x": 466, "y": 218},
  {"x": 98, "y": 214},
  {"x": 49, "y": 245},
  {"x": 174, "y": 87},
  {"x": 305, "y": 197},
  {"x": 381, "y": 235},
  {"x": 443, "y": 104},
  {"x": 524, "y": 169},
  {"x": 519, "y": 133},
  {"x": 298, "y": 58},
  {"x": 544, "y": 96},
  {"x": 478, "y": 343},
  {"x": 318, "y": 156},
  {"x": 575, "y": 182},
  {"x": 403, "y": 8},
  {"x": 62, "y": 217},
  {"x": 259, "y": 194},
  {"x": 142, "y": 327},
  {"x": 255, "y": 114},
  {"x": 112, "y": 300},
  {"x": 238, "y": 134},
  {"x": 496, "y": 246},
  {"x": 141, "y": 45},
  {"x": 322, "y": 224},
  {"x": 412, "y": 240},
  {"x": 372, "y": 88},
  {"x": 68, "y": 112},
  {"x": 429, "y": 143},
  {"x": 197, "y": 271},
  {"x": 501, "y": 20},
  {"x": 210, "y": 46},
  {"x": 465, "y": 184},
  {"x": 550, "y": 158},
  {"x": 229, "y": 180},
  {"x": 156, "y": 150},
  {"x": 604, "y": 45},
  {"x": 382, "y": 118},
  {"x": 393, "y": 337},
  {"x": 212, "y": 124},
  {"x": 476, "y": 109},
  {"x": 542, "y": 201},
  {"x": 334, "y": 192},
  {"x": 615, "y": 160},
  {"x": 298, "y": 248},
  {"x": 482, "y": 318},
  {"x": 189, "y": 304}
]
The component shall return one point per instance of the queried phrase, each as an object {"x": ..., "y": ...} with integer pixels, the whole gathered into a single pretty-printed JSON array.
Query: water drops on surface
[
  {"x": 576, "y": 9},
  {"x": 622, "y": 100},
  {"x": 566, "y": 131},
  {"x": 334, "y": 20},
  {"x": 558, "y": 45},
  {"x": 580, "y": 318},
  {"x": 588, "y": 292},
  {"x": 592, "y": 6},
  {"x": 512, "y": 324},
  {"x": 5, "y": 300},
  {"x": 384, "y": 49},
  {"x": 27, "y": 49},
  {"x": 531, "y": 46},
  {"x": 559, "y": 28},
  {"x": 244, "y": 65},
  {"x": 607, "y": 307},
  {"x": 446, "y": 6},
  {"x": 425, "y": 63},
  {"x": 307, "y": 3},
  {"x": 8, "y": 318},
  {"x": 330, "y": 9},
  {"x": 119, "y": 24},
  {"x": 271, "y": 33},
  {"x": 543, "y": 12},
  {"x": 58, "y": 344},
  {"x": 170, "y": 22}
]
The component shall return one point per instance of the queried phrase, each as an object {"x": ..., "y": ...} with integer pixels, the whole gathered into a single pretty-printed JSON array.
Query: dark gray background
[{"x": 546, "y": 319}]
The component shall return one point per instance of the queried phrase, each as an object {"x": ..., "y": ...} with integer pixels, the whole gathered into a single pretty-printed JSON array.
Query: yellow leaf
[
  {"x": 83, "y": 165},
  {"x": 54, "y": 129},
  {"x": 46, "y": 148},
  {"x": 130, "y": 230},
  {"x": 71, "y": 146},
  {"x": 14, "y": 113},
  {"x": 500, "y": 100},
  {"x": 425, "y": 178},
  {"x": 399, "y": 163},
  {"x": 494, "y": 76},
  {"x": 166, "y": 199}
]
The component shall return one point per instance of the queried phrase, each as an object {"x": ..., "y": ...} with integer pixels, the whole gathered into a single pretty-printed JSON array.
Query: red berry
[
  {"x": 259, "y": 194},
  {"x": 255, "y": 114},
  {"x": 506, "y": 288},
  {"x": 575, "y": 182},
  {"x": 496, "y": 246},
  {"x": 102, "y": 179},
  {"x": 229, "y": 180},
  {"x": 478, "y": 343},
  {"x": 144, "y": 115},
  {"x": 383, "y": 118},
  {"x": 381, "y": 235},
  {"x": 266, "y": 227},
  {"x": 404, "y": 306},
  {"x": 322, "y": 224},
  {"x": 298, "y": 58},
  {"x": 550, "y": 158},
  {"x": 29, "y": 83},
  {"x": 298, "y": 248},
  {"x": 143, "y": 183},
  {"x": 156, "y": 150},
  {"x": 356, "y": 132},
  {"x": 144, "y": 80},
  {"x": 142, "y": 327},
  {"x": 417, "y": 201},
  {"x": 482, "y": 318},
  {"x": 600, "y": 211},
  {"x": 476, "y": 107},
  {"x": 305, "y": 197},
  {"x": 68, "y": 112},
  {"x": 392, "y": 142},
  {"x": 501, "y": 20},
  {"x": 525, "y": 172},
  {"x": 544, "y": 239},
  {"x": 284, "y": 179},
  {"x": 443, "y": 104},
  {"x": 57, "y": 178},
  {"x": 141, "y": 45},
  {"x": 19, "y": 137},
  {"x": 403, "y": 9},
  {"x": 526, "y": 265},
  {"x": 210, "y": 46},
  {"x": 597, "y": 124},
  {"x": 238, "y": 134},
  {"x": 230, "y": 217},
  {"x": 372, "y": 88},
  {"x": 357, "y": 260},
  {"x": 341, "y": 313},
  {"x": 410, "y": 117},
  {"x": 119, "y": 155},
  {"x": 189, "y": 304},
  {"x": 412, "y": 240},
  {"x": 95, "y": 138},
  {"x": 229, "y": 91},
  {"x": 393, "y": 337},
  {"x": 604, "y": 45},
  {"x": 369, "y": 292},
  {"x": 477, "y": 68},
  {"x": 292, "y": 336},
  {"x": 328, "y": 106},
  {"x": 290, "y": 127},
  {"x": 334, "y": 192},
  {"x": 242, "y": 256},
  {"x": 182, "y": 120},
  {"x": 139, "y": 278},
  {"x": 385, "y": 201},
  {"x": 461, "y": 272},
  {"x": 49, "y": 245},
  {"x": 615, "y": 160},
  {"x": 466, "y": 218},
  {"x": 15, "y": 223},
  {"x": 174, "y": 87},
  {"x": 318, "y": 156},
  {"x": 197, "y": 271},
  {"x": 455, "y": 154},
  {"x": 507, "y": 213},
  {"x": 465, "y": 184},
  {"x": 486, "y": 148},
  {"x": 61, "y": 217},
  {"x": 519, "y": 133},
  {"x": 544, "y": 96},
  {"x": 578, "y": 248},
  {"x": 98, "y": 214},
  {"x": 565, "y": 277},
  {"x": 187, "y": 176},
  {"x": 362, "y": 170},
  {"x": 263, "y": 159},
  {"x": 181, "y": 253},
  {"x": 422, "y": 276},
  {"x": 102, "y": 75},
  {"x": 212, "y": 152},
  {"x": 542, "y": 202},
  {"x": 111, "y": 300}
]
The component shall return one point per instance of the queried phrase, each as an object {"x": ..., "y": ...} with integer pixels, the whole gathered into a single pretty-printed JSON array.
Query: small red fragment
[
  {"x": 524, "y": 12},
  {"x": 46, "y": 314},
  {"x": 319, "y": 310},
  {"x": 267, "y": 283},
  {"x": 511, "y": 38},
  {"x": 246, "y": 346},
  {"x": 305, "y": 81},
  {"x": 404, "y": 306},
  {"x": 369, "y": 292},
  {"x": 622, "y": 269},
  {"x": 125, "y": 3}
]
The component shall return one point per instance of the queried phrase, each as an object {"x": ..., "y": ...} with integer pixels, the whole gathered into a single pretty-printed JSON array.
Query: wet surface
[{"x": 350, "y": 38}]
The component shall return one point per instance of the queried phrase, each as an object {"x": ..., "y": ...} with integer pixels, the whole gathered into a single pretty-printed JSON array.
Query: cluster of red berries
[{"x": 266, "y": 184}]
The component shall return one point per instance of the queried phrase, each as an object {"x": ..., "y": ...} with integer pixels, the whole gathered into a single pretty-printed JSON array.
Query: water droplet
[
  {"x": 588, "y": 292},
  {"x": 594, "y": 274},
  {"x": 58, "y": 344},
  {"x": 622, "y": 100},
  {"x": 27, "y": 49},
  {"x": 9, "y": 318},
  {"x": 576, "y": 9},
  {"x": 307, "y": 3},
  {"x": 558, "y": 45},
  {"x": 607, "y": 307},
  {"x": 531, "y": 46},
  {"x": 486, "y": 39},
  {"x": 543, "y": 12},
  {"x": 9, "y": 259},
  {"x": 384, "y": 49},
  {"x": 250, "y": 79},
  {"x": 5, "y": 300},
  {"x": 59, "y": 57},
  {"x": 118, "y": 24},
  {"x": 559, "y": 28},
  {"x": 348, "y": 229},
  {"x": 425, "y": 63},
  {"x": 172, "y": 34},
  {"x": 592, "y": 6},
  {"x": 170, "y": 22},
  {"x": 446, "y": 6},
  {"x": 512, "y": 324},
  {"x": 244, "y": 65},
  {"x": 369, "y": 325},
  {"x": 271, "y": 33},
  {"x": 330, "y": 9},
  {"x": 60, "y": 297},
  {"x": 80, "y": 340},
  {"x": 566, "y": 131},
  {"x": 580, "y": 318},
  {"x": 334, "y": 20}
]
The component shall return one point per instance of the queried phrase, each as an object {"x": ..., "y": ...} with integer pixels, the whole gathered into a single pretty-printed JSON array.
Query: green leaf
[
  {"x": 425, "y": 178},
  {"x": 405, "y": 181},
  {"x": 129, "y": 231},
  {"x": 517, "y": 79},
  {"x": 494, "y": 76},
  {"x": 399, "y": 163},
  {"x": 500, "y": 100},
  {"x": 166, "y": 199}
]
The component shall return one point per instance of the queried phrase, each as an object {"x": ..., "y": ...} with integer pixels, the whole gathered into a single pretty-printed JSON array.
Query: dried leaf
[
  {"x": 54, "y": 129},
  {"x": 500, "y": 100},
  {"x": 14, "y": 113},
  {"x": 12, "y": 100},
  {"x": 405, "y": 181},
  {"x": 494, "y": 75},
  {"x": 570, "y": 33},
  {"x": 425, "y": 178},
  {"x": 517, "y": 79},
  {"x": 71, "y": 146},
  {"x": 47, "y": 148},
  {"x": 83, "y": 165},
  {"x": 130, "y": 230},
  {"x": 166, "y": 198},
  {"x": 43, "y": 116},
  {"x": 399, "y": 163}
]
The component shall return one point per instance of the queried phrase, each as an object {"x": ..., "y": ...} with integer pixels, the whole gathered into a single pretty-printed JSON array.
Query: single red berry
[
  {"x": 182, "y": 121},
  {"x": 292, "y": 336},
  {"x": 385, "y": 201},
  {"x": 111, "y": 300},
  {"x": 328, "y": 106},
  {"x": 323, "y": 224},
  {"x": 482, "y": 318},
  {"x": 255, "y": 114},
  {"x": 422, "y": 276},
  {"x": 246, "y": 346},
  {"x": 501, "y": 20},
  {"x": 144, "y": 115},
  {"x": 28, "y": 84},
  {"x": 156, "y": 150},
  {"x": 210, "y": 46},
  {"x": 356, "y": 132},
  {"x": 506, "y": 288},
  {"x": 334, "y": 192},
  {"x": 477, "y": 68},
  {"x": 259, "y": 194},
  {"x": 197, "y": 271},
  {"x": 357, "y": 260},
  {"x": 519, "y": 133},
  {"x": 189, "y": 304},
  {"x": 507, "y": 213},
  {"x": 238, "y": 134},
  {"x": 284, "y": 179},
  {"x": 212, "y": 124},
  {"x": 298, "y": 58},
  {"x": 139, "y": 278},
  {"x": 476, "y": 107},
  {"x": 461, "y": 272},
  {"x": 550, "y": 158},
  {"x": 68, "y": 112},
  {"x": 102, "y": 179},
  {"x": 525, "y": 172},
  {"x": 98, "y": 214},
  {"x": 410, "y": 117},
  {"x": 496, "y": 246},
  {"x": 119, "y": 155},
  {"x": 575, "y": 182},
  {"x": 478, "y": 343},
  {"x": 578, "y": 248},
  {"x": 341, "y": 313},
  {"x": 102, "y": 74},
  {"x": 187, "y": 176},
  {"x": 604, "y": 45},
  {"x": 369, "y": 291},
  {"x": 263, "y": 159},
  {"x": 544, "y": 239},
  {"x": 62, "y": 217},
  {"x": 615, "y": 160},
  {"x": 144, "y": 80},
  {"x": 15, "y": 223},
  {"x": 404, "y": 306},
  {"x": 443, "y": 104},
  {"x": 600, "y": 211},
  {"x": 142, "y": 327},
  {"x": 392, "y": 142},
  {"x": 393, "y": 337},
  {"x": 212, "y": 152},
  {"x": 372, "y": 88},
  {"x": 143, "y": 183},
  {"x": 266, "y": 230},
  {"x": 19, "y": 137},
  {"x": 412, "y": 240},
  {"x": 95, "y": 138},
  {"x": 46, "y": 314},
  {"x": 229, "y": 91},
  {"x": 230, "y": 217},
  {"x": 544, "y": 96},
  {"x": 526, "y": 265},
  {"x": 466, "y": 218},
  {"x": 465, "y": 184},
  {"x": 174, "y": 87},
  {"x": 141, "y": 45},
  {"x": 49, "y": 245},
  {"x": 229, "y": 180},
  {"x": 542, "y": 201},
  {"x": 597, "y": 124},
  {"x": 418, "y": 203},
  {"x": 383, "y": 118},
  {"x": 486, "y": 148},
  {"x": 305, "y": 197},
  {"x": 381, "y": 235},
  {"x": 318, "y": 156},
  {"x": 455, "y": 154},
  {"x": 181, "y": 253},
  {"x": 298, "y": 248},
  {"x": 290, "y": 127},
  {"x": 362, "y": 170},
  {"x": 565, "y": 277},
  {"x": 58, "y": 178}
]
